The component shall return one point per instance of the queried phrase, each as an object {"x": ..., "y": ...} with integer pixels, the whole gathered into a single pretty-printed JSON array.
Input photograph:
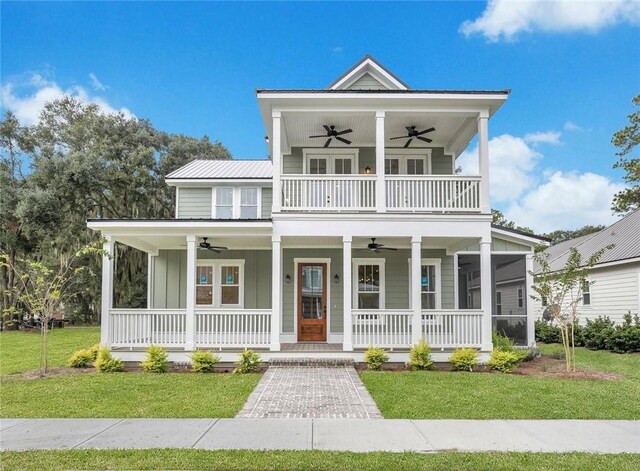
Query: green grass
[
  {"x": 459, "y": 395},
  {"x": 20, "y": 350},
  {"x": 310, "y": 460}
]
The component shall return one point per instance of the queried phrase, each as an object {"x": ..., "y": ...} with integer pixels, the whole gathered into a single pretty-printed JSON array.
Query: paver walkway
[
  {"x": 423, "y": 436},
  {"x": 296, "y": 392}
]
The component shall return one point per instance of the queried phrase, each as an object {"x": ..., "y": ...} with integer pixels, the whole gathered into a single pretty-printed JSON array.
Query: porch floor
[{"x": 311, "y": 347}]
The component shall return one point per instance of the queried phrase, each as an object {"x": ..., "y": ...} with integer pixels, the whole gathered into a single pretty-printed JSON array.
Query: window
[
  {"x": 544, "y": 301},
  {"x": 498, "y": 303},
  {"x": 318, "y": 166},
  {"x": 224, "y": 203},
  {"x": 408, "y": 163},
  {"x": 219, "y": 283},
  {"x": 342, "y": 166},
  {"x": 369, "y": 284},
  {"x": 415, "y": 166},
  {"x": 391, "y": 166},
  {"x": 248, "y": 203},
  {"x": 520, "y": 298},
  {"x": 329, "y": 161},
  {"x": 430, "y": 292},
  {"x": 586, "y": 293}
]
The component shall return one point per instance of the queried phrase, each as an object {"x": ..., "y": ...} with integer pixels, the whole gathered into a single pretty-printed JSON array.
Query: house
[
  {"x": 614, "y": 288},
  {"x": 356, "y": 231}
]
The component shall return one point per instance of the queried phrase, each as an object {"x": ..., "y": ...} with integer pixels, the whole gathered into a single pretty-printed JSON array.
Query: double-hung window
[
  {"x": 498, "y": 303},
  {"x": 237, "y": 203},
  {"x": 219, "y": 283},
  {"x": 430, "y": 284},
  {"x": 520, "y": 297},
  {"x": 369, "y": 283},
  {"x": 248, "y": 203},
  {"x": 224, "y": 203},
  {"x": 586, "y": 293}
]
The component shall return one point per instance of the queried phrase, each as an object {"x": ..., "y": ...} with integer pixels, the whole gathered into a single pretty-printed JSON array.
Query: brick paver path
[{"x": 310, "y": 392}]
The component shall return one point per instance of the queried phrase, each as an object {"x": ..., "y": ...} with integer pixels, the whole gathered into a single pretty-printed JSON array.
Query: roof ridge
[{"x": 586, "y": 238}]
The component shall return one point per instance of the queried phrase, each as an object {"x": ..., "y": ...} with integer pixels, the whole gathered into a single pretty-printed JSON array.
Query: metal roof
[
  {"x": 624, "y": 235},
  {"x": 414, "y": 91},
  {"x": 223, "y": 169}
]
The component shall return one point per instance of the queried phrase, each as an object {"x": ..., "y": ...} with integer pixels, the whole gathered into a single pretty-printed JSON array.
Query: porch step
[{"x": 312, "y": 362}]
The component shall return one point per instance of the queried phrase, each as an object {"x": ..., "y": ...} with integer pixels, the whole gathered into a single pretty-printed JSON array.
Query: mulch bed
[
  {"x": 549, "y": 367},
  {"x": 53, "y": 372}
]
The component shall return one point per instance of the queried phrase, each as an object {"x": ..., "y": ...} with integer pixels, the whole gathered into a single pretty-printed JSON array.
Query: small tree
[
  {"x": 562, "y": 290},
  {"x": 41, "y": 289}
]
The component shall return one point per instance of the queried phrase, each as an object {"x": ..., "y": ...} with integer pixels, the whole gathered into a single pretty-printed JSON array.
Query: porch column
[
  {"x": 276, "y": 160},
  {"x": 416, "y": 295},
  {"x": 531, "y": 328},
  {"x": 276, "y": 291},
  {"x": 107, "y": 289},
  {"x": 485, "y": 292},
  {"x": 483, "y": 161},
  {"x": 381, "y": 198},
  {"x": 190, "y": 324},
  {"x": 347, "y": 283}
]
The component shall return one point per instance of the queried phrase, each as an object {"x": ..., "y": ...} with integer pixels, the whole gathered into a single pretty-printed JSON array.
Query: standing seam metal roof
[{"x": 224, "y": 169}]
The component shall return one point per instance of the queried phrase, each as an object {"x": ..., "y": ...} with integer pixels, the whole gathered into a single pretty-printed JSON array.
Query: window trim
[
  {"x": 356, "y": 262},
  {"x": 217, "y": 264},
  {"x": 332, "y": 154},
  {"x": 437, "y": 262},
  {"x": 405, "y": 154},
  {"x": 236, "y": 202}
]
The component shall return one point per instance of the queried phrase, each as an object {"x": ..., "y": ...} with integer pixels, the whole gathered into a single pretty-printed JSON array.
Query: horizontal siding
[
  {"x": 194, "y": 202},
  {"x": 267, "y": 202},
  {"x": 440, "y": 163},
  {"x": 366, "y": 82}
]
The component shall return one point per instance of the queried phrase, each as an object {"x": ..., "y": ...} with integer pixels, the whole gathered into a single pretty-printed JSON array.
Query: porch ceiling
[{"x": 153, "y": 243}]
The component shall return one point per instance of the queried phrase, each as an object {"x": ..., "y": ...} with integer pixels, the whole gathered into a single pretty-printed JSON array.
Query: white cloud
[
  {"x": 511, "y": 161},
  {"x": 95, "y": 83},
  {"x": 568, "y": 200},
  {"x": 338, "y": 50},
  {"x": 549, "y": 137},
  {"x": 505, "y": 19},
  {"x": 27, "y": 98},
  {"x": 571, "y": 126}
]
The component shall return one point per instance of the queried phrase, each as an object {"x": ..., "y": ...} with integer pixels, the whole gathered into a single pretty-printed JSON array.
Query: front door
[{"x": 312, "y": 302}]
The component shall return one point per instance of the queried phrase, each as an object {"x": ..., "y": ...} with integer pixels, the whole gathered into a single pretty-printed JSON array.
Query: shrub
[
  {"x": 625, "y": 337},
  {"x": 105, "y": 363},
  {"x": 502, "y": 343},
  {"x": 547, "y": 332},
  {"x": 375, "y": 357},
  {"x": 420, "y": 356},
  {"x": 596, "y": 333},
  {"x": 504, "y": 361},
  {"x": 464, "y": 359},
  {"x": 156, "y": 361},
  {"x": 248, "y": 362},
  {"x": 81, "y": 359},
  {"x": 203, "y": 361},
  {"x": 94, "y": 349}
]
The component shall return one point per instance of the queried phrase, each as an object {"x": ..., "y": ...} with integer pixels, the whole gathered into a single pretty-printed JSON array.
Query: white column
[
  {"x": 381, "y": 198},
  {"x": 485, "y": 292},
  {"x": 416, "y": 295},
  {"x": 276, "y": 160},
  {"x": 276, "y": 291},
  {"x": 347, "y": 283},
  {"x": 107, "y": 289},
  {"x": 150, "y": 264},
  {"x": 483, "y": 161},
  {"x": 190, "y": 325},
  {"x": 456, "y": 281},
  {"x": 531, "y": 332}
]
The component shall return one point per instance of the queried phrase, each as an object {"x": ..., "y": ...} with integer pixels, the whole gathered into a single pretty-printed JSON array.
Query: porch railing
[
  {"x": 233, "y": 328},
  {"x": 382, "y": 328},
  {"x": 142, "y": 327},
  {"x": 433, "y": 193},
  {"x": 328, "y": 192},
  {"x": 449, "y": 329}
]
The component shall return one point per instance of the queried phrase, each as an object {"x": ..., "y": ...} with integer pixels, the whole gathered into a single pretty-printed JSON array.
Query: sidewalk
[{"x": 361, "y": 435}]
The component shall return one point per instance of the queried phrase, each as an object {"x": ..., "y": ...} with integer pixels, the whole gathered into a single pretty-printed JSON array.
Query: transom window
[
  {"x": 369, "y": 283},
  {"x": 219, "y": 283}
]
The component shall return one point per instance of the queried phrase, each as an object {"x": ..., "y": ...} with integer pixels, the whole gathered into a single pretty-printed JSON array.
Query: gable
[
  {"x": 367, "y": 82},
  {"x": 368, "y": 74}
]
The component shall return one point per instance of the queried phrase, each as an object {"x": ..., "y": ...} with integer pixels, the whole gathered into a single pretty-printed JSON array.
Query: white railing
[
  {"x": 143, "y": 327},
  {"x": 328, "y": 192},
  {"x": 449, "y": 329},
  {"x": 382, "y": 328},
  {"x": 233, "y": 327},
  {"x": 433, "y": 193}
]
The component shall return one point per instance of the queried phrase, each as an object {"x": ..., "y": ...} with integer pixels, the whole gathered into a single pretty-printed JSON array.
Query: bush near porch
[{"x": 463, "y": 395}]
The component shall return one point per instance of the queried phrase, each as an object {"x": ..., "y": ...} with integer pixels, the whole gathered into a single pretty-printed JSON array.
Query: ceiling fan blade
[
  {"x": 346, "y": 131},
  {"x": 313, "y": 137},
  {"x": 387, "y": 248},
  {"x": 326, "y": 144},
  {"x": 425, "y": 139},
  {"x": 214, "y": 250},
  {"x": 377, "y": 251},
  {"x": 399, "y": 137},
  {"x": 219, "y": 247},
  {"x": 426, "y": 131},
  {"x": 343, "y": 140},
  {"x": 410, "y": 129},
  {"x": 408, "y": 142},
  {"x": 326, "y": 128}
]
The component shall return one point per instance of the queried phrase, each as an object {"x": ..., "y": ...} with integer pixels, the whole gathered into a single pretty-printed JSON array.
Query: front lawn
[
  {"x": 448, "y": 395},
  {"x": 310, "y": 460}
]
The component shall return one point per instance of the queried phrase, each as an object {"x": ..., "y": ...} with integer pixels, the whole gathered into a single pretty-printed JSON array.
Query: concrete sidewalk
[{"x": 361, "y": 435}]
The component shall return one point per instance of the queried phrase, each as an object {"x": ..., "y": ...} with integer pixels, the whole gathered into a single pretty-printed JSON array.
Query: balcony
[{"x": 404, "y": 193}]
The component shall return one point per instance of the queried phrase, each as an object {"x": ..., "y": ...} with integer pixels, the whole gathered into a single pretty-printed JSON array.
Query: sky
[{"x": 192, "y": 68}]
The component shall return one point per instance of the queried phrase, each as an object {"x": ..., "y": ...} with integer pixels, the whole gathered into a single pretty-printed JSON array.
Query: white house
[
  {"x": 357, "y": 231},
  {"x": 614, "y": 288}
]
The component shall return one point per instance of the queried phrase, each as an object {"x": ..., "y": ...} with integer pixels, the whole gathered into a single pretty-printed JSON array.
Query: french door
[{"x": 312, "y": 302}]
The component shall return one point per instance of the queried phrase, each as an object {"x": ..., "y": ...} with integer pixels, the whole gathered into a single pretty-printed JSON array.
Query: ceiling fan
[
  {"x": 331, "y": 133},
  {"x": 204, "y": 245},
  {"x": 375, "y": 247},
  {"x": 413, "y": 132}
]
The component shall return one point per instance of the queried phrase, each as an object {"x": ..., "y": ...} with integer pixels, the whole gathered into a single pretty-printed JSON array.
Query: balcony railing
[{"x": 408, "y": 193}]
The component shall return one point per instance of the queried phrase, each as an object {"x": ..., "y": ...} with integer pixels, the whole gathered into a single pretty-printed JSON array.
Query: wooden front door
[{"x": 312, "y": 302}]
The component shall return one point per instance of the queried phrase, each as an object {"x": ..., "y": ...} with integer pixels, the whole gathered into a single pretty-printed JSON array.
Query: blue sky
[{"x": 193, "y": 67}]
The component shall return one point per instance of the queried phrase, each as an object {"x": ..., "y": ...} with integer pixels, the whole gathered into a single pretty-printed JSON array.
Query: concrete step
[{"x": 312, "y": 362}]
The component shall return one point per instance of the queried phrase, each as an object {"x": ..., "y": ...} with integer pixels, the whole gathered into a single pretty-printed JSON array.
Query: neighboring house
[
  {"x": 616, "y": 278},
  {"x": 357, "y": 231}
]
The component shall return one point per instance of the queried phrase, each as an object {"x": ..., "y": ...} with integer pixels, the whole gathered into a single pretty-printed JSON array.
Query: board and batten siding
[
  {"x": 170, "y": 272},
  {"x": 194, "y": 203}
]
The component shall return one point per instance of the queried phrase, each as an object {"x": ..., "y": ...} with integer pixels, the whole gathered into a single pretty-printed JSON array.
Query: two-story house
[{"x": 357, "y": 231}]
